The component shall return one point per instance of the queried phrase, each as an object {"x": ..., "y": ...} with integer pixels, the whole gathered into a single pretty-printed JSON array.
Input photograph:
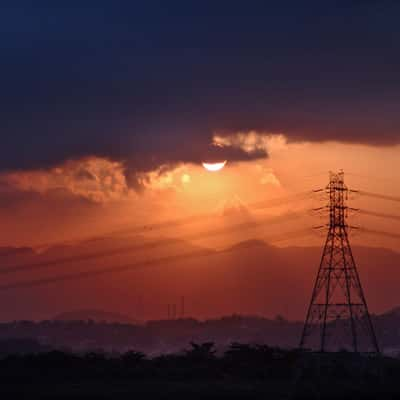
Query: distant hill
[
  {"x": 164, "y": 336},
  {"x": 251, "y": 278},
  {"x": 96, "y": 316},
  {"x": 11, "y": 252}
]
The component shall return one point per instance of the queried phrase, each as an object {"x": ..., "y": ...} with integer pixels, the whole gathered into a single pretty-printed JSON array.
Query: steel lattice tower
[{"x": 338, "y": 316}]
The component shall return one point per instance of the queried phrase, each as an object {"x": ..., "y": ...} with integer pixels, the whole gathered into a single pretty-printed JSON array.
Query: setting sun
[{"x": 214, "y": 166}]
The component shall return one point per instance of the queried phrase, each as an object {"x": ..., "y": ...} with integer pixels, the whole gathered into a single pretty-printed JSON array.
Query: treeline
[
  {"x": 153, "y": 337},
  {"x": 251, "y": 369},
  {"x": 199, "y": 362},
  {"x": 166, "y": 336}
]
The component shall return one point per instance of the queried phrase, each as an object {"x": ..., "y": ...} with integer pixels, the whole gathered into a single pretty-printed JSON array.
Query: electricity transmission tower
[{"x": 338, "y": 316}]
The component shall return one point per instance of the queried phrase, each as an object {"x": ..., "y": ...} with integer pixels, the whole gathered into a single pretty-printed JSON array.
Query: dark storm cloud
[{"x": 149, "y": 82}]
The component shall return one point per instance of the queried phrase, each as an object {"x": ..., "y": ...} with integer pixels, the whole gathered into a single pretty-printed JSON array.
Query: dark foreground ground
[{"x": 243, "y": 371}]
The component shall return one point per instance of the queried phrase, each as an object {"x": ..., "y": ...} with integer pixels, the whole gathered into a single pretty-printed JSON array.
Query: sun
[{"x": 213, "y": 167}]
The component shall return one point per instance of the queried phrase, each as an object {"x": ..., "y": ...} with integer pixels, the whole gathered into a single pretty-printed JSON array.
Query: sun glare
[{"x": 214, "y": 166}]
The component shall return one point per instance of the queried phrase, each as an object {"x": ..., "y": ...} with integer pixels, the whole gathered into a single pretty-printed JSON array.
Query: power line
[
  {"x": 375, "y": 178},
  {"x": 378, "y": 195},
  {"x": 158, "y": 262},
  {"x": 147, "y": 246},
  {"x": 274, "y": 202},
  {"x": 280, "y": 201},
  {"x": 381, "y": 233},
  {"x": 379, "y": 214}
]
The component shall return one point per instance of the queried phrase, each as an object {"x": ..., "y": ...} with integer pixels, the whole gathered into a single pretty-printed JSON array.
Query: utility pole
[
  {"x": 173, "y": 311},
  {"x": 338, "y": 316},
  {"x": 183, "y": 307}
]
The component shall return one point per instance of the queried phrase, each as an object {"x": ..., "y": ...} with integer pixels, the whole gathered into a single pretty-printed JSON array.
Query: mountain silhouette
[
  {"x": 95, "y": 315},
  {"x": 250, "y": 277}
]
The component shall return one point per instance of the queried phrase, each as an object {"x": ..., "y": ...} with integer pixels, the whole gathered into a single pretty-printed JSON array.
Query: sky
[{"x": 109, "y": 108}]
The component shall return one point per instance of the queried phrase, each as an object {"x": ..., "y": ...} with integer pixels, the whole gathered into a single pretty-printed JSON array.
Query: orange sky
[
  {"x": 90, "y": 198},
  {"x": 56, "y": 205}
]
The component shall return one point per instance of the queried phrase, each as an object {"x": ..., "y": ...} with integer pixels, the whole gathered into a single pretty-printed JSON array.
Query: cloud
[
  {"x": 234, "y": 208},
  {"x": 101, "y": 180},
  {"x": 165, "y": 178},
  {"x": 148, "y": 87},
  {"x": 95, "y": 179},
  {"x": 252, "y": 142}
]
